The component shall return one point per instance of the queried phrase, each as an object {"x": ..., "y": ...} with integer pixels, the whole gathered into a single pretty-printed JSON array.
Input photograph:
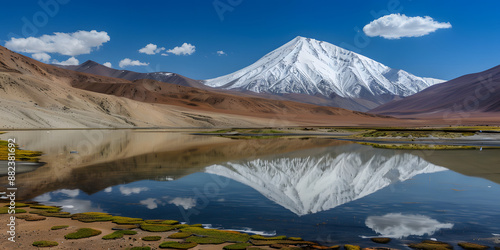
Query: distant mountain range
[
  {"x": 303, "y": 70},
  {"x": 310, "y": 67},
  {"x": 94, "y": 68},
  {"x": 470, "y": 94}
]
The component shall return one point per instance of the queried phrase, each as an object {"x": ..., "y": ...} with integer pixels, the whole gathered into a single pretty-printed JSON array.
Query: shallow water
[{"x": 319, "y": 189}]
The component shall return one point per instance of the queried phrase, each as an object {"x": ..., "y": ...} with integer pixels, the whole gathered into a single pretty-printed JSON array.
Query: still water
[{"x": 324, "y": 190}]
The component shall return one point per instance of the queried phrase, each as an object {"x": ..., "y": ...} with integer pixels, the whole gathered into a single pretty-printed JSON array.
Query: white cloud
[
  {"x": 108, "y": 189},
  {"x": 70, "y": 61},
  {"x": 221, "y": 53},
  {"x": 186, "y": 203},
  {"x": 42, "y": 57},
  {"x": 128, "y": 62},
  {"x": 395, "y": 26},
  {"x": 151, "y": 49},
  {"x": 129, "y": 191},
  {"x": 164, "y": 54},
  {"x": 397, "y": 225},
  {"x": 151, "y": 203},
  {"x": 185, "y": 49},
  {"x": 108, "y": 64},
  {"x": 69, "y": 44}
]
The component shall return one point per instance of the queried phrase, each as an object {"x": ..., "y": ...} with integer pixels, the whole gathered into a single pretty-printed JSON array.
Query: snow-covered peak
[
  {"x": 314, "y": 182},
  {"x": 308, "y": 66}
]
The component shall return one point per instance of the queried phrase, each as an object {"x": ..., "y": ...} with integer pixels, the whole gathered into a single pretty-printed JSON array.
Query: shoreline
[{"x": 48, "y": 223}]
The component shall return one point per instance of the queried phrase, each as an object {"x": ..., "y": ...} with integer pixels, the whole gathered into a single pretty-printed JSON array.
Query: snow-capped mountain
[
  {"x": 312, "y": 67},
  {"x": 319, "y": 181}
]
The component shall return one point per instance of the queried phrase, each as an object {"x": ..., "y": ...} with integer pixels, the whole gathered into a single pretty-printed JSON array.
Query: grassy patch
[
  {"x": 167, "y": 222},
  {"x": 157, "y": 227},
  {"x": 21, "y": 155},
  {"x": 51, "y": 213},
  {"x": 237, "y": 246},
  {"x": 381, "y": 240},
  {"x": 179, "y": 235},
  {"x": 418, "y": 146},
  {"x": 45, "y": 243},
  {"x": 151, "y": 238},
  {"x": 126, "y": 220},
  {"x": 5, "y": 210},
  {"x": 177, "y": 245},
  {"x": 472, "y": 246},
  {"x": 205, "y": 240},
  {"x": 124, "y": 227},
  {"x": 59, "y": 227},
  {"x": 19, "y": 204},
  {"x": 431, "y": 245},
  {"x": 118, "y": 234},
  {"x": 139, "y": 248},
  {"x": 352, "y": 247},
  {"x": 294, "y": 238},
  {"x": 228, "y": 236},
  {"x": 414, "y": 134},
  {"x": 260, "y": 237},
  {"x": 34, "y": 218},
  {"x": 83, "y": 233}
]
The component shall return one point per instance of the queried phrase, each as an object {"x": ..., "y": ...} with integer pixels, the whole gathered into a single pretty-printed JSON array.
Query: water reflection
[
  {"x": 322, "y": 180},
  {"x": 397, "y": 225},
  {"x": 306, "y": 187}
]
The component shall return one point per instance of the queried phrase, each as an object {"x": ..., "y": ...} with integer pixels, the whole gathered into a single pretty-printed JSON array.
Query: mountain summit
[{"x": 312, "y": 67}]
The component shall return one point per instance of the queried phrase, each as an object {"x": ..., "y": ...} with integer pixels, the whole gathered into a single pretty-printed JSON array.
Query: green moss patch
[
  {"x": 34, "y": 218},
  {"x": 205, "y": 240},
  {"x": 177, "y": 245},
  {"x": 227, "y": 236},
  {"x": 352, "y": 247},
  {"x": 5, "y": 210},
  {"x": 179, "y": 235},
  {"x": 51, "y": 213},
  {"x": 92, "y": 217},
  {"x": 419, "y": 146},
  {"x": 260, "y": 237},
  {"x": 118, "y": 234},
  {"x": 167, "y": 222},
  {"x": 45, "y": 243},
  {"x": 124, "y": 227},
  {"x": 472, "y": 246},
  {"x": 237, "y": 246},
  {"x": 157, "y": 227},
  {"x": 19, "y": 204},
  {"x": 126, "y": 220},
  {"x": 381, "y": 240},
  {"x": 21, "y": 155},
  {"x": 83, "y": 233},
  {"x": 294, "y": 238},
  {"x": 431, "y": 245},
  {"x": 151, "y": 238},
  {"x": 140, "y": 248},
  {"x": 59, "y": 227}
]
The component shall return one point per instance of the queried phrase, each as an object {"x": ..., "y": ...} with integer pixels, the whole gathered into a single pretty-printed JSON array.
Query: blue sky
[{"x": 249, "y": 29}]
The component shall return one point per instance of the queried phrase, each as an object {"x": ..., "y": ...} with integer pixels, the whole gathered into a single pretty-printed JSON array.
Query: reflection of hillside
[
  {"x": 127, "y": 156},
  {"x": 318, "y": 180},
  {"x": 484, "y": 164}
]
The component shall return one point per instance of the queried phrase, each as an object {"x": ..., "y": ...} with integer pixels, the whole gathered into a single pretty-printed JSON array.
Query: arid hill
[{"x": 467, "y": 96}]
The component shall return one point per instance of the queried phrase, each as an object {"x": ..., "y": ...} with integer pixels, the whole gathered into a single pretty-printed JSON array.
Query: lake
[{"x": 325, "y": 190}]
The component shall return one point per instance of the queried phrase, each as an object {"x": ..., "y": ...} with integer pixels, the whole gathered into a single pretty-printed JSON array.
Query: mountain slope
[
  {"x": 474, "y": 93},
  {"x": 311, "y": 67},
  {"x": 314, "y": 181},
  {"x": 92, "y": 67}
]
